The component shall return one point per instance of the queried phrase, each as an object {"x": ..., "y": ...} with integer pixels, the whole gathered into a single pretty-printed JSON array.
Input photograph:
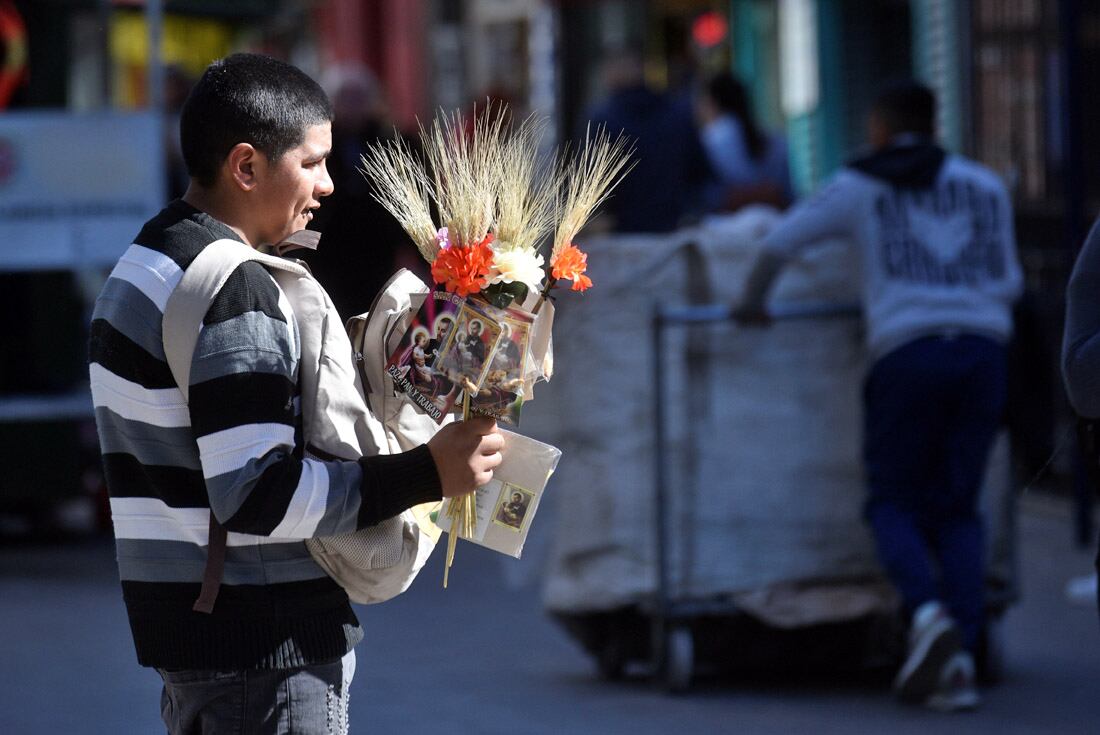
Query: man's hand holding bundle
[{"x": 465, "y": 454}]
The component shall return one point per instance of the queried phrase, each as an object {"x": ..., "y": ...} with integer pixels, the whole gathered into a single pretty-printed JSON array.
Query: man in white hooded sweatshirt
[{"x": 939, "y": 275}]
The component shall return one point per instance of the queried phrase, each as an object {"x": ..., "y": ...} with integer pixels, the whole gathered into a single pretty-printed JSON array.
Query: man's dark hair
[
  {"x": 907, "y": 107},
  {"x": 247, "y": 98}
]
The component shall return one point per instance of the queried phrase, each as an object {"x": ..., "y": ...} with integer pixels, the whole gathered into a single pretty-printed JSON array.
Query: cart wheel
[{"x": 679, "y": 659}]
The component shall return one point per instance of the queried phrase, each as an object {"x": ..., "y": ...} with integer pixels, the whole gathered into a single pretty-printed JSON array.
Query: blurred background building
[{"x": 1012, "y": 77}]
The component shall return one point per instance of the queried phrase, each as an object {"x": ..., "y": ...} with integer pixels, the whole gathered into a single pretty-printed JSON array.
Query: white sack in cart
[{"x": 601, "y": 556}]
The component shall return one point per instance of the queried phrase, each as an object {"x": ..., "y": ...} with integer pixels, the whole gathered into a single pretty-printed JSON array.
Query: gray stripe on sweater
[
  {"x": 218, "y": 350},
  {"x": 178, "y": 561},
  {"x": 150, "y": 445},
  {"x": 229, "y": 490},
  {"x": 132, "y": 313},
  {"x": 241, "y": 361},
  {"x": 341, "y": 506}
]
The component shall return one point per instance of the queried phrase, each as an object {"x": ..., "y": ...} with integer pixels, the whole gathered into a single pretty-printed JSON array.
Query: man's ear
[{"x": 241, "y": 163}]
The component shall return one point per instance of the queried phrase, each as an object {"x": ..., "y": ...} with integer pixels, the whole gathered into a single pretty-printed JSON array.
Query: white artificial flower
[{"x": 522, "y": 265}]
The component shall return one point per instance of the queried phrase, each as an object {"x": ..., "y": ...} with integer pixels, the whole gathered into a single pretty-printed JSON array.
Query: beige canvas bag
[{"x": 337, "y": 384}]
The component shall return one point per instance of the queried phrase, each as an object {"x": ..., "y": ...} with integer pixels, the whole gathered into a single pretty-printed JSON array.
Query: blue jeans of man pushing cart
[{"x": 932, "y": 410}]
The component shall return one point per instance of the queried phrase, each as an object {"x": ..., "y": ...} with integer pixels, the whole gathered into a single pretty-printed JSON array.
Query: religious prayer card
[
  {"x": 448, "y": 348},
  {"x": 506, "y": 506},
  {"x": 501, "y": 395}
]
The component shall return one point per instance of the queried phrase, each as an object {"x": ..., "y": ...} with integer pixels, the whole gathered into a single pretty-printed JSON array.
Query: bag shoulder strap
[
  {"x": 191, "y": 299},
  {"x": 180, "y": 327}
]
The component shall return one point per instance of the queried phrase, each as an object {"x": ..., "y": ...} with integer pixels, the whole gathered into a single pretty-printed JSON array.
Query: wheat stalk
[
  {"x": 401, "y": 186},
  {"x": 463, "y": 172},
  {"x": 589, "y": 176},
  {"x": 525, "y": 198}
]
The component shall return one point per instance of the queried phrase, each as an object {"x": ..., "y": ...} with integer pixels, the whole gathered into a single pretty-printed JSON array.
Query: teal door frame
[{"x": 815, "y": 139}]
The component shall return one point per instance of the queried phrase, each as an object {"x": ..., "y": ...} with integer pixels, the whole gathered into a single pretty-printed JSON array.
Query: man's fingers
[
  {"x": 491, "y": 460},
  {"x": 467, "y": 452},
  {"x": 491, "y": 443}
]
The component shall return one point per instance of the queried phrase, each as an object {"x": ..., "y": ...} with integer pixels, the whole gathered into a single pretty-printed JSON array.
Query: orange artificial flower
[
  {"x": 463, "y": 269},
  {"x": 570, "y": 264}
]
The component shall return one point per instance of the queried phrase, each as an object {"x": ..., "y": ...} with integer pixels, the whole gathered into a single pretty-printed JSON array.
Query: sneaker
[
  {"x": 955, "y": 690},
  {"x": 933, "y": 640}
]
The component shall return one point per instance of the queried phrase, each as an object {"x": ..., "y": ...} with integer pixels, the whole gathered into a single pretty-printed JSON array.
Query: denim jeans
[
  {"x": 312, "y": 700},
  {"x": 931, "y": 411}
]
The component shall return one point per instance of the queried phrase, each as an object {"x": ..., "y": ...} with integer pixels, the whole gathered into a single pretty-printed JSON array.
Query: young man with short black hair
[
  {"x": 276, "y": 652},
  {"x": 939, "y": 274}
]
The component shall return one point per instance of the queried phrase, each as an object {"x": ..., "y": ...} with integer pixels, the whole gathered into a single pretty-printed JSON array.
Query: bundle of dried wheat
[{"x": 495, "y": 207}]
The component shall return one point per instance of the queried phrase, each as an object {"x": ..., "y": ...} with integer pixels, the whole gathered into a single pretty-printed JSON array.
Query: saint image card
[
  {"x": 513, "y": 502},
  {"x": 466, "y": 355},
  {"x": 501, "y": 394},
  {"x": 413, "y": 364}
]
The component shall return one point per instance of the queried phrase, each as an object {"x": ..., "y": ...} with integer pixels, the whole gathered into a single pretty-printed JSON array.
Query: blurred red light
[{"x": 709, "y": 29}]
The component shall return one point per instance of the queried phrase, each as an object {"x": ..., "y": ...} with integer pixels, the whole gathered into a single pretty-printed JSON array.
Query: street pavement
[{"x": 483, "y": 657}]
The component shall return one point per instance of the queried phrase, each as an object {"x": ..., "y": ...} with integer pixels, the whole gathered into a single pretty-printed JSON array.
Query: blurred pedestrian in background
[
  {"x": 1081, "y": 360},
  {"x": 939, "y": 274},
  {"x": 362, "y": 243},
  {"x": 750, "y": 164},
  {"x": 667, "y": 182}
]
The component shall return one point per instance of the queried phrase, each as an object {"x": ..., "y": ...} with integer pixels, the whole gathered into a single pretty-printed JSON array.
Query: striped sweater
[{"x": 236, "y": 451}]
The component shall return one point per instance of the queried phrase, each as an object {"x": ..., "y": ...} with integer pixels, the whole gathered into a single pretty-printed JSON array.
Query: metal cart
[
  {"x": 672, "y": 647},
  {"x": 690, "y": 577},
  {"x": 672, "y": 635}
]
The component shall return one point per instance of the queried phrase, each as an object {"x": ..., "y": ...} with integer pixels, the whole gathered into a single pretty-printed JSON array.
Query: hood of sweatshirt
[{"x": 912, "y": 164}]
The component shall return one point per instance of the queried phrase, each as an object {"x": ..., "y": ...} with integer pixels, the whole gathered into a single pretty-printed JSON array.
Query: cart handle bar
[{"x": 707, "y": 313}]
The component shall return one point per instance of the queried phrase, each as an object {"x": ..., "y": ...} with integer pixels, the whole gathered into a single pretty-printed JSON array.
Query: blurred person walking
[
  {"x": 1081, "y": 369},
  {"x": 667, "y": 182},
  {"x": 363, "y": 242},
  {"x": 268, "y": 646},
  {"x": 939, "y": 275},
  {"x": 750, "y": 164}
]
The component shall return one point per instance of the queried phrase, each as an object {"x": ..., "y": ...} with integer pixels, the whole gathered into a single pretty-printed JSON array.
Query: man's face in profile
[{"x": 291, "y": 187}]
